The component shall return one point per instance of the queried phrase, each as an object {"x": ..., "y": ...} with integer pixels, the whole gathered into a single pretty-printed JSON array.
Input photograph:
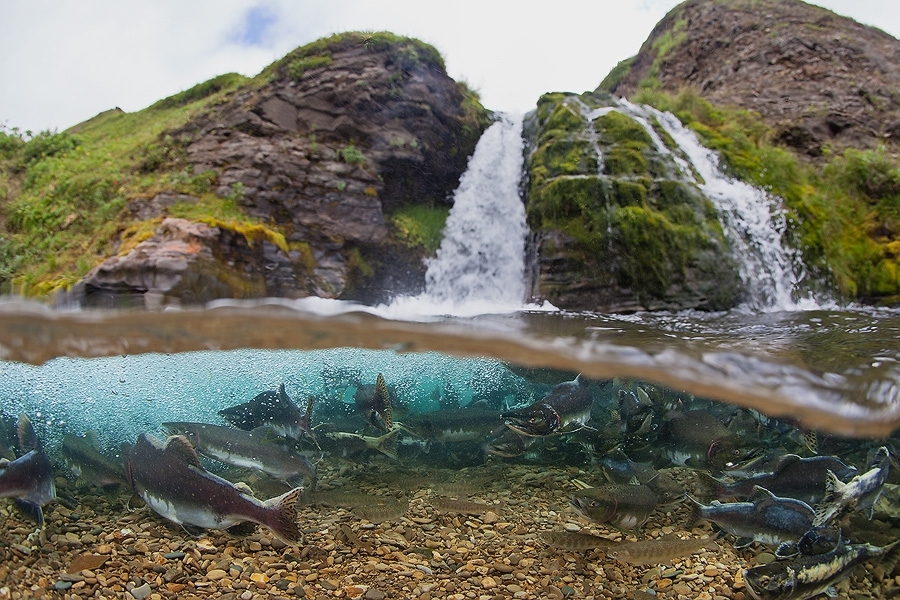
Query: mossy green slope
[
  {"x": 632, "y": 225},
  {"x": 844, "y": 215},
  {"x": 65, "y": 197}
]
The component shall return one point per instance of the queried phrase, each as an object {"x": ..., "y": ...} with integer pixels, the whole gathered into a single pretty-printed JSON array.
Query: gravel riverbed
[{"x": 374, "y": 532}]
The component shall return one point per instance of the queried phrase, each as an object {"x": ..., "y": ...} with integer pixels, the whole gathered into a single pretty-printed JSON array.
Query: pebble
[
  {"x": 374, "y": 594},
  {"x": 216, "y": 574},
  {"x": 141, "y": 591}
]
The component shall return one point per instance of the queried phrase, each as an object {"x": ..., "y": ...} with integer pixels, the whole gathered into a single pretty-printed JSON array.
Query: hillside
[
  {"x": 822, "y": 81},
  {"x": 800, "y": 102},
  {"x": 327, "y": 174}
]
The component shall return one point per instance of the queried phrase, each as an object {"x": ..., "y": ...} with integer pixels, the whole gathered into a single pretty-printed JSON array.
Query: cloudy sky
[{"x": 63, "y": 61}]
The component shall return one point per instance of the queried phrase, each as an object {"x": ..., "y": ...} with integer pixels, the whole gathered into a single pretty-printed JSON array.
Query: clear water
[{"x": 470, "y": 343}]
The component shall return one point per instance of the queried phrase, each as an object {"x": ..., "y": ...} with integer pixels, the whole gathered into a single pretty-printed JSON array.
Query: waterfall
[
  {"x": 754, "y": 224},
  {"x": 480, "y": 265}
]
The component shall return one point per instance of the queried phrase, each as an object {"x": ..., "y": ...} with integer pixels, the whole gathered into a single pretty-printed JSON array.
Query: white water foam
[
  {"x": 754, "y": 223},
  {"x": 480, "y": 265}
]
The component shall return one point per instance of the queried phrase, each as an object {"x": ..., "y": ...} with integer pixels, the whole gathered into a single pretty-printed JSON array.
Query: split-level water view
[{"x": 461, "y": 443}]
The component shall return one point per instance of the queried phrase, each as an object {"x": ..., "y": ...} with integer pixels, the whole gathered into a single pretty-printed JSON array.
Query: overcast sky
[{"x": 62, "y": 62}]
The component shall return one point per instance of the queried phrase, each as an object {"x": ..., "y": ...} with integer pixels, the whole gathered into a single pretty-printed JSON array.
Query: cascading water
[
  {"x": 753, "y": 222},
  {"x": 480, "y": 265}
]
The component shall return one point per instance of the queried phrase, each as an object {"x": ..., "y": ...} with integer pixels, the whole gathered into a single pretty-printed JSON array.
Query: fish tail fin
[
  {"x": 891, "y": 556},
  {"x": 829, "y": 506},
  {"x": 696, "y": 514},
  {"x": 387, "y": 444},
  {"x": 30, "y": 510},
  {"x": 283, "y": 519},
  {"x": 28, "y": 439}
]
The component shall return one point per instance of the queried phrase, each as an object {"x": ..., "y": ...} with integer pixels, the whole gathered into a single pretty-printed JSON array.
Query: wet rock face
[
  {"x": 344, "y": 132},
  {"x": 185, "y": 263},
  {"x": 822, "y": 79},
  {"x": 618, "y": 226}
]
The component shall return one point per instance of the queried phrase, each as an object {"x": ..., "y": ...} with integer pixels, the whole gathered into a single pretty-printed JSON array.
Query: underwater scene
[{"x": 268, "y": 452}]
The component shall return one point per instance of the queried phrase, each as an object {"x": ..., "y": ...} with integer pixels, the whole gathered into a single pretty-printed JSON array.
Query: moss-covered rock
[{"x": 616, "y": 231}]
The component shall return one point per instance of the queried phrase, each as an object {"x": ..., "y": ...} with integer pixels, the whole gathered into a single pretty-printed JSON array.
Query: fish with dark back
[
  {"x": 171, "y": 480},
  {"x": 566, "y": 408},
  {"x": 273, "y": 409},
  {"x": 28, "y": 480},
  {"x": 249, "y": 449}
]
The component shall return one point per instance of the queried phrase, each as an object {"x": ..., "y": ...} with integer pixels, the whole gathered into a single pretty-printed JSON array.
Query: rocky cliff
[
  {"x": 823, "y": 81},
  {"x": 798, "y": 101},
  {"x": 323, "y": 147}
]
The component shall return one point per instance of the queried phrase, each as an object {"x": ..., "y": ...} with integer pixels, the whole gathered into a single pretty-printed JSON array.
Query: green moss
[
  {"x": 629, "y": 193},
  {"x": 565, "y": 119},
  {"x": 843, "y": 216},
  {"x": 216, "y": 85},
  {"x": 657, "y": 250},
  {"x": 614, "y": 77},
  {"x": 563, "y": 157},
  {"x": 619, "y": 161},
  {"x": 547, "y": 103},
  {"x": 420, "y": 225},
  {"x": 618, "y": 128},
  {"x": 566, "y": 198},
  {"x": 226, "y": 214}
]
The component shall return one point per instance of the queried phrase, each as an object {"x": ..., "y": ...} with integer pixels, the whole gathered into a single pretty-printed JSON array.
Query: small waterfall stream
[
  {"x": 754, "y": 224},
  {"x": 480, "y": 265}
]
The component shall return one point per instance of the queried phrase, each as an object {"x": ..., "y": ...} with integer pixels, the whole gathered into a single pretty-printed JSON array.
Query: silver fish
[
  {"x": 28, "y": 480},
  {"x": 171, "y": 480},
  {"x": 625, "y": 507},
  {"x": 860, "y": 493},
  {"x": 807, "y": 576},
  {"x": 249, "y": 449}
]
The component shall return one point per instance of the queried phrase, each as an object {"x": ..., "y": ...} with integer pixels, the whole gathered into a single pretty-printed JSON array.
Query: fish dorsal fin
[
  {"x": 90, "y": 436},
  {"x": 182, "y": 448},
  {"x": 785, "y": 461},
  {"x": 383, "y": 402},
  {"x": 634, "y": 481},
  {"x": 309, "y": 407},
  {"x": 28, "y": 439},
  {"x": 761, "y": 496},
  {"x": 282, "y": 394}
]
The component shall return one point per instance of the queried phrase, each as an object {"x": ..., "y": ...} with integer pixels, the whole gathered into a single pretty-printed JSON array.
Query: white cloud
[{"x": 63, "y": 62}]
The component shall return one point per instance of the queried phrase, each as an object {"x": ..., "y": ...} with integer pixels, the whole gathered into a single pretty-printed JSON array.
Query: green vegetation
[
  {"x": 297, "y": 67},
  {"x": 229, "y": 81},
  {"x": 420, "y": 225},
  {"x": 633, "y": 223},
  {"x": 406, "y": 53},
  {"x": 64, "y": 196},
  {"x": 844, "y": 217},
  {"x": 352, "y": 156}
]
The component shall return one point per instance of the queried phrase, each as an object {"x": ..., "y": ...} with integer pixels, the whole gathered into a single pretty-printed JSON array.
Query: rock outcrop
[
  {"x": 324, "y": 145},
  {"x": 824, "y": 81},
  {"x": 618, "y": 227}
]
